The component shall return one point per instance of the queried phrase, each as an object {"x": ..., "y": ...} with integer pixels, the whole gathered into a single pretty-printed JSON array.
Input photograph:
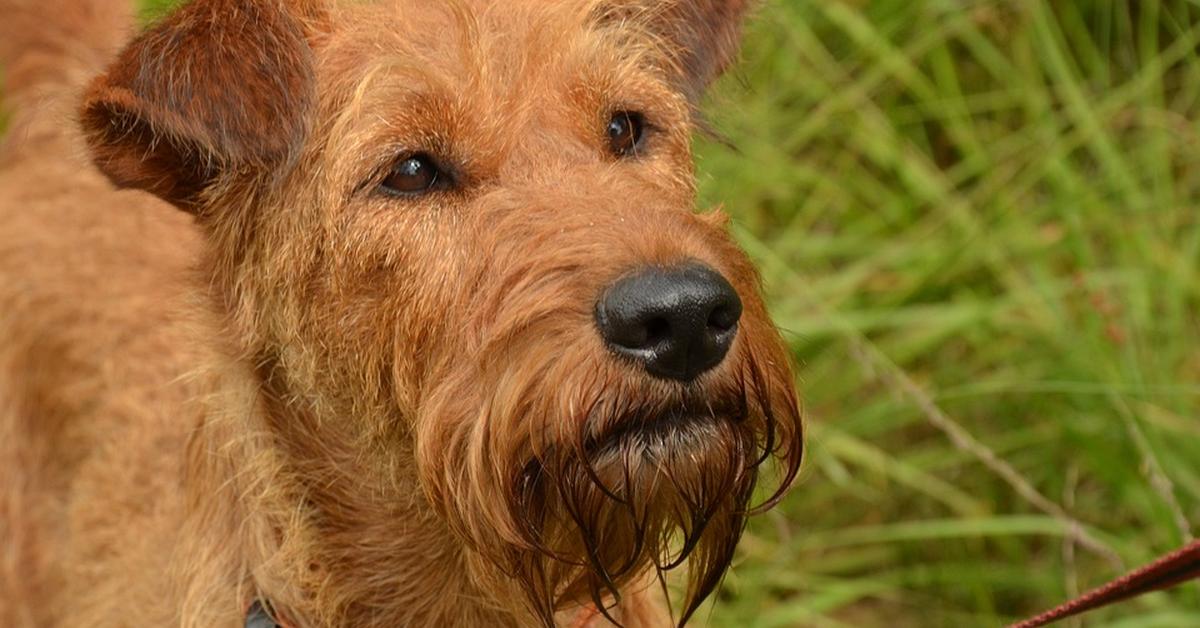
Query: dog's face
[{"x": 470, "y": 227}]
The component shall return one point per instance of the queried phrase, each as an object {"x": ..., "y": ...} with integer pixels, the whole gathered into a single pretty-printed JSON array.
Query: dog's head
[{"x": 465, "y": 230}]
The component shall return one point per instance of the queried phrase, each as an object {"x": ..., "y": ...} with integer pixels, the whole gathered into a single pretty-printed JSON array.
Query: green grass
[{"x": 979, "y": 226}]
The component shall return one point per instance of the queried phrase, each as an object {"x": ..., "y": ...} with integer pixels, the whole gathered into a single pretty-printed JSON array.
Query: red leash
[{"x": 1174, "y": 568}]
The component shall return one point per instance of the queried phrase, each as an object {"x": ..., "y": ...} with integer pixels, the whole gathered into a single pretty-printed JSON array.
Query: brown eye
[
  {"x": 414, "y": 174},
  {"x": 625, "y": 133}
]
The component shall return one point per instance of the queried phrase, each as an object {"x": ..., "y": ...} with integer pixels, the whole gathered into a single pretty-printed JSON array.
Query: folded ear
[
  {"x": 220, "y": 86},
  {"x": 706, "y": 35}
]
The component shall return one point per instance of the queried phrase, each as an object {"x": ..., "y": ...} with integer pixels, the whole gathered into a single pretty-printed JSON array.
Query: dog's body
[
  {"x": 96, "y": 374},
  {"x": 397, "y": 415}
]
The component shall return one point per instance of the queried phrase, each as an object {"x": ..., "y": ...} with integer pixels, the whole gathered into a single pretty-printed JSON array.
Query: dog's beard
[
  {"x": 576, "y": 497},
  {"x": 660, "y": 495},
  {"x": 575, "y": 486}
]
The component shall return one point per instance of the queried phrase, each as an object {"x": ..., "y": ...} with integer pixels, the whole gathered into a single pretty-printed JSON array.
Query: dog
[{"x": 384, "y": 313}]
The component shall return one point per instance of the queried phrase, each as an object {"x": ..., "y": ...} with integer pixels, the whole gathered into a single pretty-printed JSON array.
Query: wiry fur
[{"x": 368, "y": 410}]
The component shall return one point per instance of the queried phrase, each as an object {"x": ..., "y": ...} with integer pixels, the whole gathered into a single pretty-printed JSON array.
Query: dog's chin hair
[
  {"x": 598, "y": 517},
  {"x": 573, "y": 487},
  {"x": 661, "y": 503}
]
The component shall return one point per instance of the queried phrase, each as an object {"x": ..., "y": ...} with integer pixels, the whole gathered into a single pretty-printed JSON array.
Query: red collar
[{"x": 586, "y": 615}]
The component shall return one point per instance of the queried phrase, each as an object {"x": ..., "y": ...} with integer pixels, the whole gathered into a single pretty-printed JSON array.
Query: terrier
[{"x": 382, "y": 313}]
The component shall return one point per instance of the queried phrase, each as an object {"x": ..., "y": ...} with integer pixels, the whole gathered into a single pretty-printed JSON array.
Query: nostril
[
  {"x": 657, "y": 330},
  {"x": 723, "y": 318}
]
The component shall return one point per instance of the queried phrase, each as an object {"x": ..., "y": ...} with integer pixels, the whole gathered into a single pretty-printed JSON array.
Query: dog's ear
[
  {"x": 218, "y": 87},
  {"x": 705, "y": 35}
]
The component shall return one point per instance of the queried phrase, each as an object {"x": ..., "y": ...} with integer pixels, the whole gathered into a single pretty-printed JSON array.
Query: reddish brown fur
[{"x": 368, "y": 410}]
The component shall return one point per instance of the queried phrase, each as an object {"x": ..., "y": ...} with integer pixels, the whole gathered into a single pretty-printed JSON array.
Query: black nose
[{"x": 677, "y": 322}]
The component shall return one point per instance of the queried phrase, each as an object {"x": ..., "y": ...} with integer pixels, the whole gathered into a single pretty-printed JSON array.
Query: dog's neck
[{"x": 304, "y": 519}]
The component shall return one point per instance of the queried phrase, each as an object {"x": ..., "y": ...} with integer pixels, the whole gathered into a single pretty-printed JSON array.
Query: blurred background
[{"x": 978, "y": 222}]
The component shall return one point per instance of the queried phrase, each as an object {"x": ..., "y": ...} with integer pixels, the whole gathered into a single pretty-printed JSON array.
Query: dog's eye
[
  {"x": 414, "y": 174},
  {"x": 625, "y": 133}
]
